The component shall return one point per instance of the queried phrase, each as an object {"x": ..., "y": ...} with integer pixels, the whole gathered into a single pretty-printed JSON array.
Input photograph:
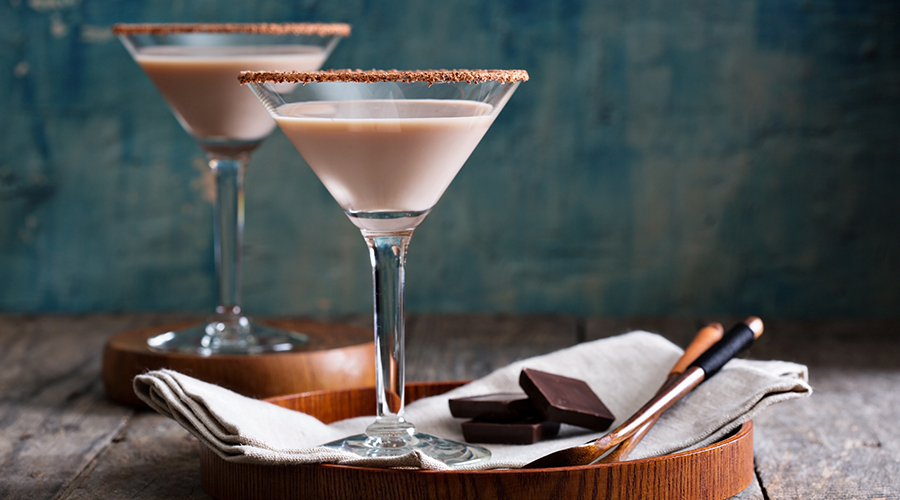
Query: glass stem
[
  {"x": 228, "y": 232},
  {"x": 388, "y": 256}
]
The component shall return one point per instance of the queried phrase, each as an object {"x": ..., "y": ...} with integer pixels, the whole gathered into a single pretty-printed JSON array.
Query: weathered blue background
[{"x": 666, "y": 158}]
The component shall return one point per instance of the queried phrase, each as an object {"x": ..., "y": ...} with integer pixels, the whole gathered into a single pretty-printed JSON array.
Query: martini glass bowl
[
  {"x": 386, "y": 144},
  {"x": 195, "y": 68}
]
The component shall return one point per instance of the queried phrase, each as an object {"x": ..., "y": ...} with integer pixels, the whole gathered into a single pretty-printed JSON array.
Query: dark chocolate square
[
  {"x": 501, "y": 407},
  {"x": 527, "y": 431},
  {"x": 566, "y": 400}
]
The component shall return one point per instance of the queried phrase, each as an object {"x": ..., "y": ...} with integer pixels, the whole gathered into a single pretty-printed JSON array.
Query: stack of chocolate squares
[{"x": 549, "y": 400}]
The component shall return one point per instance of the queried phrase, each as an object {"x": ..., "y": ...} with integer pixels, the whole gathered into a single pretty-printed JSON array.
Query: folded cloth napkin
[{"x": 625, "y": 371}]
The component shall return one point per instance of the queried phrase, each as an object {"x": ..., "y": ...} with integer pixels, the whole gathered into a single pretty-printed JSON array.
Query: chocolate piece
[
  {"x": 502, "y": 407},
  {"x": 527, "y": 431},
  {"x": 566, "y": 400}
]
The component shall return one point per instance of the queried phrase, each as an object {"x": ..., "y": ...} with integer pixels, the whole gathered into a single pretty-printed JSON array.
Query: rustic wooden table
[{"x": 61, "y": 439}]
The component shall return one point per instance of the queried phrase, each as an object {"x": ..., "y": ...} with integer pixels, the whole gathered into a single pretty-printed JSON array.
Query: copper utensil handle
[
  {"x": 713, "y": 359},
  {"x": 708, "y": 364},
  {"x": 705, "y": 338},
  {"x": 682, "y": 385}
]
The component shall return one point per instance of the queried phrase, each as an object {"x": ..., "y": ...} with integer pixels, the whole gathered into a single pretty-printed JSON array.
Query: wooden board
[
  {"x": 54, "y": 420},
  {"x": 152, "y": 457},
  {"x": 841, "y": 443},
  {"x": 338, "y": 356},
  {"x": 457, "y": 347},
  {"x": 62, "y": 439},
  {"x": 712, "y": 473}
]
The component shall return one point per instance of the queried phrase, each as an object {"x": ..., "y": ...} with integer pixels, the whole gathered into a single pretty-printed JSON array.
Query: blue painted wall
[{"x": 666, "y": 158}]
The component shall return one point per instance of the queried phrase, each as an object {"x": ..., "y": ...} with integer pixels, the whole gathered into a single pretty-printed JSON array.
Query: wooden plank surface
[
  {"x": 60, "y": 439},
  {"x": 840, "y": 444},
  {"x": 53, "y": 420},
  {"x": 152, "y": 458},
  {"x": 447, "y": 347}
]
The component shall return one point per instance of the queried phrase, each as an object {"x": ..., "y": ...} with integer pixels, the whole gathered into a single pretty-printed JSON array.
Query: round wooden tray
[
  {"x": 716, "y": 472},
  {"x": 338, "y": 356}
]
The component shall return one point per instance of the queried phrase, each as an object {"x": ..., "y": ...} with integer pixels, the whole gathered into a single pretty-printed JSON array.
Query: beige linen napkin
[{"x": 625, "y": 371}]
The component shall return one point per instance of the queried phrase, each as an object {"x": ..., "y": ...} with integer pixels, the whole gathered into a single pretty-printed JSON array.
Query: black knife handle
[{"x": 736, "y": 340}]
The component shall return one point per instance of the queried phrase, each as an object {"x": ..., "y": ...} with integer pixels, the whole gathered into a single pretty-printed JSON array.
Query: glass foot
[
  {"x": 240, "y": 336},
  {"x": 451, "y": 453}
]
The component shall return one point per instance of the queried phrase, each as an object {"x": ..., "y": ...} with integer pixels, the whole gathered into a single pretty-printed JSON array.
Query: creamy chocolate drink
[
  {"x": 200, "y": 84},
  {"x": 195, "y": 66},
  {"x": 386, "y": 144},
  {"x": 370, "y": 163}
]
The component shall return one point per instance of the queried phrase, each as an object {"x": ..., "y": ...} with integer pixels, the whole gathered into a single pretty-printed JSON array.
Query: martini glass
[
  {"x": 386, "y": 144},
  {"x": 195, "y": 68}
]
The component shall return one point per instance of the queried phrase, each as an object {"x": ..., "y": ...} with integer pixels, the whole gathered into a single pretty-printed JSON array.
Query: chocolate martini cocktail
[
  {"x": 386, "y": 144},
  {"x": 195, "y": 68}
]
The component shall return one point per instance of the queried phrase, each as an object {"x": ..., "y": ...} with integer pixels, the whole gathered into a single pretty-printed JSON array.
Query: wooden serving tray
[
  {"x": 338, "y": 356},
  {"x": 716, "y": 472}
]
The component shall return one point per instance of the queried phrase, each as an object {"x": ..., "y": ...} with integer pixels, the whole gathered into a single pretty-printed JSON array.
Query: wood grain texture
[
  {"x": 629, "y": 480},
  {"x": 753, "y": 492},
  {"x": 54, "y": 419},
  {"x": 338, "y": 356},
  {"x": 151, "y": 458},
  {"x": 840, "y": 444},
  {"x": 716, "y": 472},
  {"x": 60, "y": 438},
  {"x": 453, "y": 347}
]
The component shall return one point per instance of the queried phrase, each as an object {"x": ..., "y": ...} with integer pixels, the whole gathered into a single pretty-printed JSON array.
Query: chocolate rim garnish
[
  {"x": 393, "y": 75},
  {"x": 318, "y": 29}
]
